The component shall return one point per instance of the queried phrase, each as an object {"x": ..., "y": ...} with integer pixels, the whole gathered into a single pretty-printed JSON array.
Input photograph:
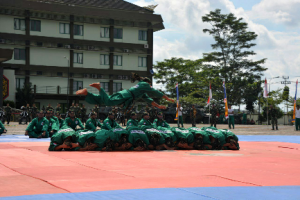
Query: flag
[
  {"x": 210, "y": 94},
  {"x": 225, "y": 101},
  {"x": 266, "y": 93},
  {"x": 295, "y": 102},
  {"x": 177, "y": 91},
  {"x": 151, "y": 71}
]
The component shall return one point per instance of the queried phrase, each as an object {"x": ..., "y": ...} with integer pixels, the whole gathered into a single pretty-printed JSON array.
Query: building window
[
  {"x": 117, "y": 87},
  {"x": 118, "y": 60},
  {"x": 143, "y": 35},
  {"x": 78, "y": 29},
  {"x": 20, "y": 82},
  {"x": 104, "y": 59},
  {"x": 59, "y": 74},
  {"x": 104, "y": 32},
  {"x": 78, "y": 58},
  {"x": 105, "y": 86},
  {"x": 118, "y": 33},
  {"x": 39, "y": 73},
  {"x": 19, "y": 24},
  {"x": 19, "y": 54},
  {"x": 77, "y": 85},
  {"x": 64, "y": 28},
  {"x": 142, "y": 62},
  {"x": 35, "y": 25}
]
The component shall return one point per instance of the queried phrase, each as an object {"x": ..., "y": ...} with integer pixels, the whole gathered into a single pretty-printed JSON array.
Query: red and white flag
[
  {"x": 210, "y": 94},
  {"x": 266, "y": 93}
]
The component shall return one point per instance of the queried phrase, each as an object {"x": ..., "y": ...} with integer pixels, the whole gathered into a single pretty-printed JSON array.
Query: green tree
[
  {"x": 24, "y": 95},
  {"x": 232, "y": 53},
  {"x": 286, "y": 93}
]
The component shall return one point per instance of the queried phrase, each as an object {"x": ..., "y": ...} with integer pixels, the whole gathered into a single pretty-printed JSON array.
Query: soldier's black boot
[
  {"x": 276, "y": 127},
  {"x": 273, "y": 127}
]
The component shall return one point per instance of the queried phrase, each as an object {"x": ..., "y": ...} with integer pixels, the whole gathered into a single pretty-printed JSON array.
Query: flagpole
[{"x": 209, "y": 114}]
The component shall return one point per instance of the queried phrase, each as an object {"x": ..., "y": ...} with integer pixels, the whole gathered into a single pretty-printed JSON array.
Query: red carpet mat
[{"x": 29, "y": 168}]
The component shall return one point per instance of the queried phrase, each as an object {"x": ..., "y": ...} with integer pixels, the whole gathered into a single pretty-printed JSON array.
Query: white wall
[
  {"x": 130, "y": 35},
  {"x": 7, "y": 24},
  {"x": 49, "y": 28},
  {"x": 10, "y": 74},
  {"x": 12, "y": 61},
  {"x": 91, "y": 59},
  {"x": 130, "y": 62},
  {"x": 49, "y": 57}
]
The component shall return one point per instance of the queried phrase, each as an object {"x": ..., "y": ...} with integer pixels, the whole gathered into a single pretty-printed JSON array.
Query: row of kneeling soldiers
[{"x": 138, "y": 135}]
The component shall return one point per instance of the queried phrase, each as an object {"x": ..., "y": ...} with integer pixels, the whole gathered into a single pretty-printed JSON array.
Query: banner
[
  {"x": 295, "y": 103},
  {"x": 266, "y": 93},
  {"x": 225, "y": 101},
  {"x": 210, "y": 94},
  {"x": 177, "y": 91}
]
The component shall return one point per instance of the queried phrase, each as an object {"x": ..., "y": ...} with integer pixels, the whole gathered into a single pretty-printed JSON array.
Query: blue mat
[
  {"x": 21, "y": 138},
  {"x": 221, "y": 193},
  {"x": 245, "y": 138},
  {"x": 270, "y": 138}
]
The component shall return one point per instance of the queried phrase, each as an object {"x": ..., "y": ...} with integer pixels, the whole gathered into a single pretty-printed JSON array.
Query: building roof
[
  {"x": 105, "y": 4},
  {"x": 105, "y": 9}
]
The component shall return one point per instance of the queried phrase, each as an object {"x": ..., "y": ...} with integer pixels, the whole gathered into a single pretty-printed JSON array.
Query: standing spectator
[
  {"x": 34, "y": 111},
  {"x": 58, "y": 108},
  {"x": 213, "y": 117},
  {"x": 180, "y": 115},
  {"x": 297, "y": 120},
  {"x": 8, "y": 113},
  {"x": 231, "y": 117},
  {"x": 193, "y": 115},
  {"x": 273, "y": 112}
]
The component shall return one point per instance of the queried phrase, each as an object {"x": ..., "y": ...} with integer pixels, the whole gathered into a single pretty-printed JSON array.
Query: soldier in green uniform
[
  {"x": 8, "y": 113},
  {"x": 244, "y": 121},
  {"x": 138, "y": 139},
  {"x": 34, "y": 110},
  {"x": 109, "y": 122},
  {"x": 273, "y": 113},
  {"x": 213, "y": 115},
  {"x": 231, "y": 140},
  {"x": 61, "y": 122},
  {"x": 58, "y": 108},
  {"x": 2, "y": 128},
  {"x": 126, "y": 97},
  {"x": 185, "y": 138},
  {"x": 92, "y": 123},
  {"x": 193, "y": 115},
  {"x": 160, "y": 121},
  {"x": 53, "y": 126},
  {"x": 77, "y": 110},
  {"x": 49, "y": 107},
  {"x": 83, "y": 114},
  {"x": 72, "y": 121},
  {"x": 28, "y": 110},
  {"x": 201, "y": 138},
  {"x": 155, "y": 138},
  {"x": 133, "y": 121},
  {"x": 96, "y": 109},
  {"x": 145, "y": 120},
  {"x": 38, "y": 127},
  {"x": 65, "y": 139}
]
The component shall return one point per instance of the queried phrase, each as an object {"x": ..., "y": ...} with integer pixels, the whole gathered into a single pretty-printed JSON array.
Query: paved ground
[{"x": 15, "y": 129}]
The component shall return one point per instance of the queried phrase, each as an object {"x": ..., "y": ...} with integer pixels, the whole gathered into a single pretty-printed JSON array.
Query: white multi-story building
[{"x": 62, "y": 46}]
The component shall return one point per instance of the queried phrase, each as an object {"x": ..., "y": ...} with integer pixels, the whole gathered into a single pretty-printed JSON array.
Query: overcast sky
[{"x": 275, "y": 21}]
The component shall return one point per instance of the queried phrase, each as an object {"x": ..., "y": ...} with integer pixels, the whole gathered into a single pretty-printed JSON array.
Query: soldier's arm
[
  {"x": 167, "y": 125},
  {"x": 155, "y": 123},
  {"x": 90, "y": 126},
  {"x": 31, "y": 125},
  {"x": 45, "y": 126},
  {"x": 80, "y": 124}
]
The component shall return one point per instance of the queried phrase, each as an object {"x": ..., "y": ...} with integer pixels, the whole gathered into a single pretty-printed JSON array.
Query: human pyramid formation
[{"x": 138, "y": 135}]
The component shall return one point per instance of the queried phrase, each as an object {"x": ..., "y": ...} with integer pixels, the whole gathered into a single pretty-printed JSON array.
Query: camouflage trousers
[
  {"x": 274, "y": 122},
  {"x": 213, "y": 121}
]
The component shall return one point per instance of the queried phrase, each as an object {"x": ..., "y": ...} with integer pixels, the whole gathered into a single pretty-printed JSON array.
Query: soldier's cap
[
  {"x": 144, "y": 114},
  {"x": 133, "y": 113},
  {"x": 48, "y": 112},
  {"x": 71, "y": 110},
  {"x": 160, "y": 113},
  {"x": 40, "y": 111},
  {"x": 111, "y": 113},
  {"x": 57, "y": 113}
]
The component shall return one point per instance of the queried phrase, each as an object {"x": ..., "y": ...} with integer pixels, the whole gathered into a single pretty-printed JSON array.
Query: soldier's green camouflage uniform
[
  {"x": 213, "y": 117},
  {"x": 8, "y": 113},
  {"x": 273, "y": 113}
]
